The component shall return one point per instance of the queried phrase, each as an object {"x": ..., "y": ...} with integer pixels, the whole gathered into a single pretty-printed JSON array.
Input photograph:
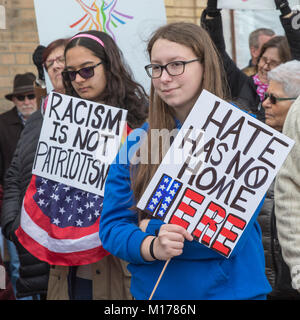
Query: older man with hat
[
  {"x": 12, "y": 122},
  {"x": 11, "y": 125}
]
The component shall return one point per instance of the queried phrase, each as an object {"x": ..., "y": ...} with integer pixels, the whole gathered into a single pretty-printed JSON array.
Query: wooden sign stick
[{"x": 159, "y": 278}]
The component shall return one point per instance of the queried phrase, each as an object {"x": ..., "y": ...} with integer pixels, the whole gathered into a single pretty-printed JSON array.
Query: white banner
[
  {"x": 252, "y": 4},
  {"x": 216, "y": 173},
  {"x": 2, "y": 18},
  {"x": 130, "y": 23},
  {"x": 78, "y": 142}
]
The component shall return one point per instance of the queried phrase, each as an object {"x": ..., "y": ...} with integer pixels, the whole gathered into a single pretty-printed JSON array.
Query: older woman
[
  {"x": 277, "y": 50},
  {"x": 284, "y": 88}
]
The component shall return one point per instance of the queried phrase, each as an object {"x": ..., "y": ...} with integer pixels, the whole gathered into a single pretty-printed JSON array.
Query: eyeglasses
[
  {"x": 274, "y": 99},
  {"x": 49, "y": 63},
  {"x": 174, "y": 68},
  {"x": 271, "y": 63},
  {"x": 21, "y": 97},
  {"x": 85, "y": 73}
]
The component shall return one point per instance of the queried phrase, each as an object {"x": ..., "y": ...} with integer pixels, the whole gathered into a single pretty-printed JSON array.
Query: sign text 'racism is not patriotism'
[{"x": 78, "y": 142}]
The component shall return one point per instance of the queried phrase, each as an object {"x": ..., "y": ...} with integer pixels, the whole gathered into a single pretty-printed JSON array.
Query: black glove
[
  {"x": 211, "y": 9},
  {"x": 283, "y": 6},
  {"x": 37, "y": 58}
]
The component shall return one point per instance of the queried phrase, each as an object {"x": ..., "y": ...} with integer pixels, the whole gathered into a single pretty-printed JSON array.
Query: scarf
[{"x": 261, "y": 87}]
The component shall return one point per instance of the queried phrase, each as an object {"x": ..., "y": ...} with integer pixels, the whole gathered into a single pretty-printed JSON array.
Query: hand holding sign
[{"x": 225, "y": 172}]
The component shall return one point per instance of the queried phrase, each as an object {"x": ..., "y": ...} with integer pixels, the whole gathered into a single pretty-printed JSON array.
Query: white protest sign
[
  {"x": 78, "y": 141},
  {"x": 230, "y": 160},
  {"x": 2, "y": 18},
  {"x": 252, "y": 4},
  {"x": 130, "y": 23}
]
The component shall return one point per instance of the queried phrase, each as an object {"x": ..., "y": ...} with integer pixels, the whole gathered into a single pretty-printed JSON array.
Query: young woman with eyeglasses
[{"x": 183, "y": 63}]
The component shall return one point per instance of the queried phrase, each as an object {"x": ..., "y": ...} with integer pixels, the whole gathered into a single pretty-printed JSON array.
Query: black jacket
[
  {"x": 241, "y": 85},
  {"x": 33, "y": 272}
]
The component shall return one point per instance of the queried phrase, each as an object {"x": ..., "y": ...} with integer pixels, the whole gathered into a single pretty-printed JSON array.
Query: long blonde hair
[{"x": 160, "y": 114}]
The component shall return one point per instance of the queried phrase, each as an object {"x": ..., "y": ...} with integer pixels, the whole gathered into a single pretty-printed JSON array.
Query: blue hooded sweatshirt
[{"x": 199, "y": 272}]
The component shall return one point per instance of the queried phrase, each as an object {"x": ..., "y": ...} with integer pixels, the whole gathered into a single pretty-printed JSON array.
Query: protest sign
[
  {"x": 251, "y": 4},
  {"x": 78, "y": 141},
  {"x": 227, "y": 161},
  {"x": 2, "y": 17},
  {"x": 129, "y": 23}
]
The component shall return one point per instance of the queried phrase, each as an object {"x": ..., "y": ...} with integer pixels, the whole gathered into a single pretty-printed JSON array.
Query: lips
[{"x": 83, "y": 90}]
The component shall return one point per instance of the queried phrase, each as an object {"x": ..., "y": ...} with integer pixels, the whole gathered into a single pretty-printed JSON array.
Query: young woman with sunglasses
[
  {"x": 183, "y": 62},
  {"x": 95, "y": 71}
]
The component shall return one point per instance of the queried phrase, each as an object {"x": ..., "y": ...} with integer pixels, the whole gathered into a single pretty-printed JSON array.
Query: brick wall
[{"x": 20, "y": 38}]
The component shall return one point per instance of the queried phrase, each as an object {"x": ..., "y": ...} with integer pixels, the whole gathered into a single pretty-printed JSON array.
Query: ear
[{"x": 254, "y": 52}]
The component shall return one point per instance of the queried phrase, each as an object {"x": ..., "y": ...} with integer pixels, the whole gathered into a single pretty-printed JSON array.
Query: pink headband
[{"x": 86, "y": 35}]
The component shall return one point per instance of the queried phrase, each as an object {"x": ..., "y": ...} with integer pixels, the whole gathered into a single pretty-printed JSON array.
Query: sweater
[{"x": 199, "y": 272}]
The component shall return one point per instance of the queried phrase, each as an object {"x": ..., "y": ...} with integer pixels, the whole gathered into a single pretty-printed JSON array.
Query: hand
[
  {"x": 283, "y": 6},
  {"x": 37, "y": 59},
  {"x": 212, "y": 4},
  {"x": 170, "y": 241},
  {"x": 212, "y": 8}
]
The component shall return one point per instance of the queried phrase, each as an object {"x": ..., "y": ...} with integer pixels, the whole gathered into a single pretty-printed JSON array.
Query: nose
[
  {"x": 79, "y": 78},
  {"x": 27, "y": 101},
  {"x": 165, "y": 76},
  {"x": 266, "y": 103}
]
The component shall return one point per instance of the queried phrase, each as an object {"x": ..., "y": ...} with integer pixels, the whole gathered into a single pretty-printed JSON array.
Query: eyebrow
[
  {"x": 177, "y": 58},
  {"x": 81, "y": 65}
]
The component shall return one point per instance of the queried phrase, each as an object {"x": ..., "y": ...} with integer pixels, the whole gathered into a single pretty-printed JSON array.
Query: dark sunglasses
[
  {"x": 85, "y": 73},
  {"x": 21, "y": 97},
  {"x": 274, "y": 99}
]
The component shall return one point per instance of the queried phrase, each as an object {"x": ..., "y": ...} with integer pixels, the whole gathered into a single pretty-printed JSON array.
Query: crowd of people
[{"x": 185, "y": 59}]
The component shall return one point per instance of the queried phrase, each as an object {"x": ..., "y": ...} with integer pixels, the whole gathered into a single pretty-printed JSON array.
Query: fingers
[{"x": 170, "y": 241}]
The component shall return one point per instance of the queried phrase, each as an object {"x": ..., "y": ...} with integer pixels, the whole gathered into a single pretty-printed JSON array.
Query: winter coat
[
  {"x": 287, "y": 197},
  {"x": 34, "y": 273},
  {"x": 11, "y": 127}
]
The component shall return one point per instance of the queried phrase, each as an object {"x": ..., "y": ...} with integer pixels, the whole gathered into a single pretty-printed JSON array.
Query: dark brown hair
[{"x": 121, "y": 90}]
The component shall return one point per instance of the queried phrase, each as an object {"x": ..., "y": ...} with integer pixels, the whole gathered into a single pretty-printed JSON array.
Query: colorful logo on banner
[{"x": 101, "y": 15}]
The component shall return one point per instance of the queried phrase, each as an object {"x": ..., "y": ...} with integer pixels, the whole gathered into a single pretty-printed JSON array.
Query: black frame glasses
[
  {"x": 173, "y": 68},
  {"x": 50, "y": 63},
  {"x": 274, "y": 99},
  {"x": 21, "y": 97},
  {"x": 85, "y": 73}
]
